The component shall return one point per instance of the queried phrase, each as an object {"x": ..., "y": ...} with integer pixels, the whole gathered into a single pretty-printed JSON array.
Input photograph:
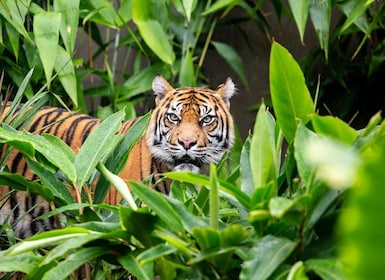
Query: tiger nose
[{"x": 187, "y": 143}]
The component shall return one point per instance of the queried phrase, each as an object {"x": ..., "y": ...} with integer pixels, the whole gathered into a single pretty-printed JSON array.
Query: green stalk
[{"x": 214, "y": 197}]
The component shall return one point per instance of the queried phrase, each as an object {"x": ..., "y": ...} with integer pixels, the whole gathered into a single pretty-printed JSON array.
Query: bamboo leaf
[
  {"x": 14, "y": 13},
  {"x": 46, "y": 27},
  {"x": 96, "y": 147},
  {"x": 69, "y": 22},
  {"x": 24, "y": 262},
  {"x": 229, "y": 54},
  {"x": 290, "y": 96},
  {"x": 187, "y": 70},
  {"x": 320, "y": 14},
  {"x": 151, "y": 31},
  {"x": 300, "y": 10},
  {"x": 73, "y": 262}
]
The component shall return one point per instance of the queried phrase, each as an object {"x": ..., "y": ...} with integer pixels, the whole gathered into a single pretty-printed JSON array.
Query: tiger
[{"x": 189, "y": 128}]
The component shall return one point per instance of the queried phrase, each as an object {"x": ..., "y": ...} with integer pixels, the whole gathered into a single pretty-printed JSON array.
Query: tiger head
[{"x": 190, "y": 127}]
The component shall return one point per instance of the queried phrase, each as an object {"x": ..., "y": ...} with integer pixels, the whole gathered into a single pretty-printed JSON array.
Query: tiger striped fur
[{"x": 189, "y": 128}]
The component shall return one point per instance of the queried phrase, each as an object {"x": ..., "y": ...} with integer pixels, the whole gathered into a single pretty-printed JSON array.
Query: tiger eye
[
  {"x": 206, "y": 120},
  {"x": 173, "y": 118}
]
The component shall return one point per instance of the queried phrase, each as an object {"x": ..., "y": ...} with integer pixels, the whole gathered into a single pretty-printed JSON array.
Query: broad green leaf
[
  {"x": 300, "y": 9},
  {"x": 265, "y": 257},
  {"x": 335, "y": 128},
  {"x": 187, "y": 70},
  {"x": 138, "y": 223},
  {"x": 19, "y": 140},
  {"x": 297, "y": 272},
  {"x": 74, "y": 261},
  {"x": 220, "y": 4},
  {"x": 263, "y": 162},
  {"x": 69, "y": 22},
  {"x": 152, "y": 31},
  {"x": 290, "y": 96},
  {"x": 24, "y": 262},
  {"x": 361, "y": 228},
  {"x": 159, "y": 205},
  {"x": 320, "y": 14},
  {"x": 131, "y": 264},
  {"x": 96, "y": 147},
  {"x": 327, "y": 269},
  {"x": 14, "y": 12},
  {"x": 229, "y": 54},
  {"x": 46, "y": 32}
]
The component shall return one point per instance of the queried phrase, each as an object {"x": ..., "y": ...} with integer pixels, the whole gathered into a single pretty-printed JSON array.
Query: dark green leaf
[{"x": 265, "y": 257}]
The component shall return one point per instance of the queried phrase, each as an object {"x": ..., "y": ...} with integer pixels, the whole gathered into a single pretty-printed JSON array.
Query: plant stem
[{"x": 214, "y": 198}]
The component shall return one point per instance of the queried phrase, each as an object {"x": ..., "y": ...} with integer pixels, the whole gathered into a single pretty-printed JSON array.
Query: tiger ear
[
  {"x": 161, "y": 87},
  {"x": 227, "y": 90}
]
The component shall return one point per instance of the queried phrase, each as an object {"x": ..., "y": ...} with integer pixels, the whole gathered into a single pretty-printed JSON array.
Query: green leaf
[
  {"x": 74, "y": 261},
  {"x": 131, "y": 264},
  {"x": 327, "y": 269},
  {"x": 24, "y": 262},
  {"x": 199, "y": 179},
  {"x": 355, "y": 12},
  {"x": 66, "y": 73},
  {"x": 229, "y": 54},
  {"x": 247, "y": 184},
  {"x": 152, "y": 31},
  {"x": 265, "y": 257},
  {"x": 361, "y": 228},
  {"x": 320, "y": 14},
  {"x": 263, "y": 161},
  {"x": 139, "y": 224},
  {"x": 335, "y": 128},
  {"x": 334, "y": 162},
  {"x": 289, "y": 93},
  {"x": 14, "y": 13},
  {"x": 220, "y": 4},
  {"x": 187, "y": 70},
  {"x": 300, "y": 9},
  {"x": 46, "y": 31},
  {"x": 96, "y": 147},
  {"x": 118, "y": 158},
  {"x": 69, "y": 23},
  {"x": 159, "y": 205}
]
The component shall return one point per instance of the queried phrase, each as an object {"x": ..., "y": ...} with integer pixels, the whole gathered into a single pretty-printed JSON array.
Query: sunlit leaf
[
  {"x": 300, "y": 9},
  {"x": 290, "y": 96}
]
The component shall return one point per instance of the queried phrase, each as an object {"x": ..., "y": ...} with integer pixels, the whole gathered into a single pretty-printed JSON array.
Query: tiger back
[{"x": 189, "y": 128}]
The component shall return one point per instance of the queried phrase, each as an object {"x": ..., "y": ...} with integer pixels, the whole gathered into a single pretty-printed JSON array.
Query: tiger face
[{"x": 190, "y": 127}]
